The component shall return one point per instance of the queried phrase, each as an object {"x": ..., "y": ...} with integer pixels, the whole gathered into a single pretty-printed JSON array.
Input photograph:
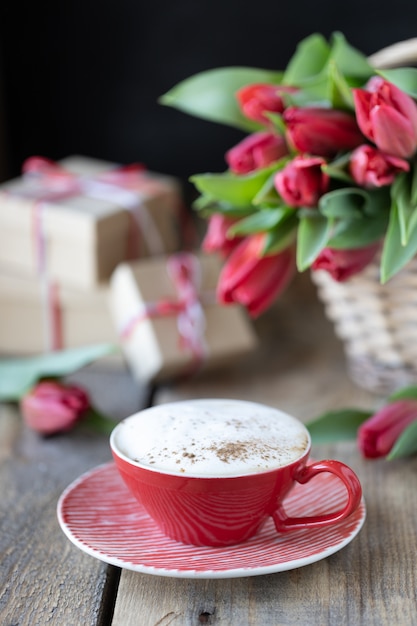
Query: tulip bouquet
[{"x": 325, "y": 177}]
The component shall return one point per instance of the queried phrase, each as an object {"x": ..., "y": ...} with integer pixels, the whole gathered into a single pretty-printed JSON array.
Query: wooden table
[{"x": 299, "y": 368}]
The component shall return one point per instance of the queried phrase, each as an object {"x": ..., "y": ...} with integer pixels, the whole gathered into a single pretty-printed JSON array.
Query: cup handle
[{"x": 284, "y": 523}]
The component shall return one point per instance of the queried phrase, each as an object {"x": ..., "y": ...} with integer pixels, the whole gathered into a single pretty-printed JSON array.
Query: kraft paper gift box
[
  {"x": 84, "y": 316},
  {"x": 79, "y": 237},
  {"x": 146, "y": 306}
]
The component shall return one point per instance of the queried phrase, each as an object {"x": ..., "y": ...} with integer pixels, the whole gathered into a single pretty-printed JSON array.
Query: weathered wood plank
[{"x": 45, "y": 579}]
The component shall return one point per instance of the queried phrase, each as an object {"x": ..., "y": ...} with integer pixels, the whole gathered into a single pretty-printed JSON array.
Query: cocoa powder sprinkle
[{"x": 239, "y": 450}]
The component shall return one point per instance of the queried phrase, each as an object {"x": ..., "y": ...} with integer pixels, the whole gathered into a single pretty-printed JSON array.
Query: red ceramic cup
[{"x": 226, "y": 510}]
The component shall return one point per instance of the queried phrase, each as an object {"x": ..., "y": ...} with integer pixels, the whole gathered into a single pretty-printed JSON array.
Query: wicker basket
[{"x": 377, "y": 323}]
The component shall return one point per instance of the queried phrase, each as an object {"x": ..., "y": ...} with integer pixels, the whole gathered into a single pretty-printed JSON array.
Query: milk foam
[{"x": 211, "y": 438}]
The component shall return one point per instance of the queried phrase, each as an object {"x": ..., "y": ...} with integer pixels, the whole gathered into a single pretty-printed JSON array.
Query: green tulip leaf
[
  {"x": 206, "y": 205},
  {"x": 309, "y": 59},
  {"x": 405, "y": 78},
  {"x": 338, "y": 169},
  {"x": 341, "y": 95},
  {"x": 260, "y": 221},
  {"x": 378, "y": 203},
  {"x": 341, "y": 161},
  {"x": 413, "y": 186},
  {"x": 316, "y": 92},
  {"x": 337, "y": 425},
  {"x": 326, "y": 74},
  {"x": 337, "y": 173},
  {"x": 313, "y": 234},
  {"x": 348, "y": 59},
  {"x": 402, "y": 191},
  {"x": 405, "y": 393},
  {"x": 318, "y": 89},
  {"x": 355, "y": 233},
  {"x": 210, "y": 95},
  {"x": 406, "y": 444},
  {"x": 277, "y": 122},
  {"x": 17, "y": 375},
  {"x": 394, "y": 255},
  {"x": 268, "y": 193},
  {"x": 282, "y": 236},
  {"x": 98, "y": 422},
  {"x": 346, "y": 203},
  {"x": 239, "y": 190},
  {"x": 229, "y": 210}
]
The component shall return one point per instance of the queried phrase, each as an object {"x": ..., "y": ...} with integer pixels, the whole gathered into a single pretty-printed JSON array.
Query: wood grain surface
[
  {"x": 44, "y": 580},
  {"x": 300, "y": 368}
]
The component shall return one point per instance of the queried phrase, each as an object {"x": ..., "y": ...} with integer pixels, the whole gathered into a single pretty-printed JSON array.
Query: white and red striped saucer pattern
[{"x": 98, "y": 514}]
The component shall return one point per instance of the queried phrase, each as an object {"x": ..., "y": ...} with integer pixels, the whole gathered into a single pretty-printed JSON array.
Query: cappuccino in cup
[
  {"x": 212, "y": 438},
  {"x": 211, "y": 472}
]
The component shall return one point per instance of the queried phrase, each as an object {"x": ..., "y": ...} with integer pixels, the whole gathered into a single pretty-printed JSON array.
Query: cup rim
[{"x": 187, "y": 474}]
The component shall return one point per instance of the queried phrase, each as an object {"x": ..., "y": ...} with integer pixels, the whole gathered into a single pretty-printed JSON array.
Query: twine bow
[
  {"x": 185, "y": 272},
  {"x": 124, "y": 186}
]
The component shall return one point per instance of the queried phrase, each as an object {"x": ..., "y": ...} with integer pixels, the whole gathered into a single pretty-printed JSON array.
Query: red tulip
[
  {"x": 378, "y": 434},
  {"x": 216, "y": 238},
  {"x": 255, "y": 100},
  {"x": 371, "y": 168},
  {"x": 256, "y": 151},
  {"x": 387, "y": 116},
  {"x": 341, "y": 264},
  {"x": 51, "y": 407},
  {"x": 322, "y": 132},
  {"x": 253, "y": 280},
  {"x": 302, "y": 181}
]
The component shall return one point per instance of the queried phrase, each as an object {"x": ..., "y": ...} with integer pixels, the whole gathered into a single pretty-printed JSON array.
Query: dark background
[{"x": 84, "y": 77}]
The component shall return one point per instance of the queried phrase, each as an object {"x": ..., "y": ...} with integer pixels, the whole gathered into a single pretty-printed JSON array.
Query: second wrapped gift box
[{"x": 168, "y": 320}]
